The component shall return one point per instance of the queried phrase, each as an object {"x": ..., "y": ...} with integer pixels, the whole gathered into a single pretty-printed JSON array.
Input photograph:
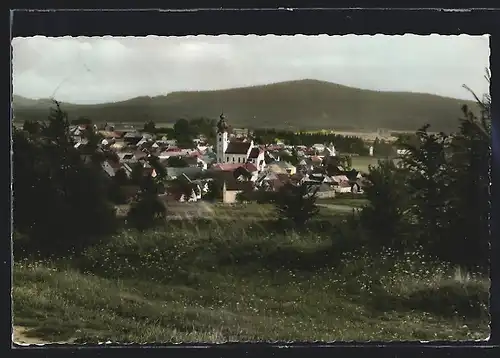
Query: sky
[{"x": 108, "y": 69}]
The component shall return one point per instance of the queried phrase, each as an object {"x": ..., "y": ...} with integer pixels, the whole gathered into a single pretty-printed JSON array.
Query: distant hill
[{"x": 304, "y": 104}]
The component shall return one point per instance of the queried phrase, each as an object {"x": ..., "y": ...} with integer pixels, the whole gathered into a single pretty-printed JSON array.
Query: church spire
[{"x": 222, "y": 125}]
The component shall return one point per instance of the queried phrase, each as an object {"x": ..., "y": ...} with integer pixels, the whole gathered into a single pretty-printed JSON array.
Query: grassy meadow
[{"x": 213, "y": 280}]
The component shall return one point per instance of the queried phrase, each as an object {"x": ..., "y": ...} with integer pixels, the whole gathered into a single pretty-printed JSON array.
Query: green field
[
  {"x": 243, "y": 280},
  {"x": 163, "y": 287},
  {"x": 362, "y": 163}
]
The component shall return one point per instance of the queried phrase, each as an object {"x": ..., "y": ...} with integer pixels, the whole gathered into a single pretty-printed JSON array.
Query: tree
[
  {"x": 177, "y": 162},
  {"x": 386, "y": 215},
  {"x": 183, "y": 133},
  {"x": 204, "y": 126},
  {"x": 149, "y": 127},
  {"x": 146, "y": 209},
  {"x": 296, "y": 203},
  {"x": 214, "y": 190},
  {"x": 468, "y": 241},
  {"x": 60, "y": 203},
  {"x": 428, "y": 184},
  {"x": 332, "y": 164},
  {"x": 154, "y": 162},
  {"x": 81, "y": 121},
  {"x": 137, "y": 173},
  {"x": 31, "y": 127},
  {"x": 470, "y": 163},
  {"x": 383, "y": 149},
  {"x": 121, "y": 177}
]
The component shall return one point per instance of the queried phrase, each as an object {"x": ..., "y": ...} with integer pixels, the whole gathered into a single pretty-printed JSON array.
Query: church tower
[{"x": 222, "y": 139}]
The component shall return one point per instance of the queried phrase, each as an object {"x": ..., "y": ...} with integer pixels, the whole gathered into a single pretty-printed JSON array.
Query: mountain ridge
[{"x": 299, "y": 104}]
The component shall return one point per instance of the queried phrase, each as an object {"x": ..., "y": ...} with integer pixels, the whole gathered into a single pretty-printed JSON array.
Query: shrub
[{"x": 296, "y": 203}]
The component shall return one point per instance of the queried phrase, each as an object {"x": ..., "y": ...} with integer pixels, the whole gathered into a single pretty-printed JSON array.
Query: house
[
  {"x": 209, "y": 157},
  {"x": 232, "y": 188},
  {"x": 110, "y": 167},
  {"x": 273, "y": 182},
  {"x": 316, "y": 160},
  {"x": 242, "y": 174},
  {"x": 127, "y": 157},
  {"x": 342, "y": 184},
  {"x": 305, "y": 165},
  {"x": 325, "y": 190},
  {"x": 257, "y": 157},
  {"x": 191, "y": 172},
  {"x": 196, "y": 161},
  {"x": 318, "y": 147},
  {"x": 329, "y": 151},
  {"x": 287, "y": 167},
  {"x": 117, "y": 145},
  {"x": 132, "y": 138},
  {"x": 281, "y": 168}
]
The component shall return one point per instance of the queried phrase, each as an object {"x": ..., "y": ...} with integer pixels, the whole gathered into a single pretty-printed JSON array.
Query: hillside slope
[{"x": 305, "y": 104}]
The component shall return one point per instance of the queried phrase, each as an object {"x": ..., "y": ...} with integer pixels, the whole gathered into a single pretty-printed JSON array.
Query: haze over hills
[{"x": 304, "y": 104}]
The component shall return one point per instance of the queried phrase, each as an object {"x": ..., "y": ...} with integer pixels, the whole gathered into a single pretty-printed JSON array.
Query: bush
[
  {"x": 146, "y": 210},
  {"x": 296, "y": 203}
]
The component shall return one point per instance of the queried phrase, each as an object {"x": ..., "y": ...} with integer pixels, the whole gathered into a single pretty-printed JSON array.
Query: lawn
[
  {"x": 345, "y": 199},
  {"x": 362, "y": 163},
  {"x": 225, "y": 282}
]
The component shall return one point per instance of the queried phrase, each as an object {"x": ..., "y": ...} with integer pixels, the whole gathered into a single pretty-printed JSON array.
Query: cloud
[{"x": 101, "y": 69}]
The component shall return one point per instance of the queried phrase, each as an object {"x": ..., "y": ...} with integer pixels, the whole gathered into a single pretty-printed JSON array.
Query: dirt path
[
  {"x": 22, "y": 336},
  {"x": 343, "y": 208}
]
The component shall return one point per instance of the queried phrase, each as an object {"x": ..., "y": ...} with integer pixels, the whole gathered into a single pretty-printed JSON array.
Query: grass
[
  {"x": 362, "y": 163},
  {"x": 345, "y": 199},
  {"x": 259, "y": 212},
  {"x": 218, "y": 281}
]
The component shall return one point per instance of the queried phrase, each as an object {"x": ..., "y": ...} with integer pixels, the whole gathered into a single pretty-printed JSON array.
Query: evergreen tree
[
  {"x": 137, "y": 173},
  {"x": 296, "y": 203},
  {"x": 386, "y": 215},
  {"x": 149, "y": 127},
  {"x": 60, "y": 203},
  {"x": 146, "y": 210},
  {"x": 428, "y": 185}
]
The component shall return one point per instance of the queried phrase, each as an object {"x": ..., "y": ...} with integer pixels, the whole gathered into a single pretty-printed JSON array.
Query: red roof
[
  {"x": 196, "y": 153},
  {"x": 226, "y": 166},
  {"x": 233, "y": 166},
  {"x": 254, "y": 153},
  {"x": 250, "y": 167}
]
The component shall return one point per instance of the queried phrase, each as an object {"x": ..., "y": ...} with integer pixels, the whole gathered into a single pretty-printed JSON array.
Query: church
[{"x": 236, "y": 152}]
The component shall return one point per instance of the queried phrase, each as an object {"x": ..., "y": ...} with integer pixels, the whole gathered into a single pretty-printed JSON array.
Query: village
[
  {"x": 198, "y": 201},
  {"x": 235, "y": 161}
]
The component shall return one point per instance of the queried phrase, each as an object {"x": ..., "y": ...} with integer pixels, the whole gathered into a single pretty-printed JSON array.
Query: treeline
[
  {"x": 185, "y": 131},
  {"x": 345, "y": 144}
]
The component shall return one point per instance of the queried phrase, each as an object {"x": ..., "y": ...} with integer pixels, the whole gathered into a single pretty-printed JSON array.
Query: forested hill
[{"x": 304, "y": 104}]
